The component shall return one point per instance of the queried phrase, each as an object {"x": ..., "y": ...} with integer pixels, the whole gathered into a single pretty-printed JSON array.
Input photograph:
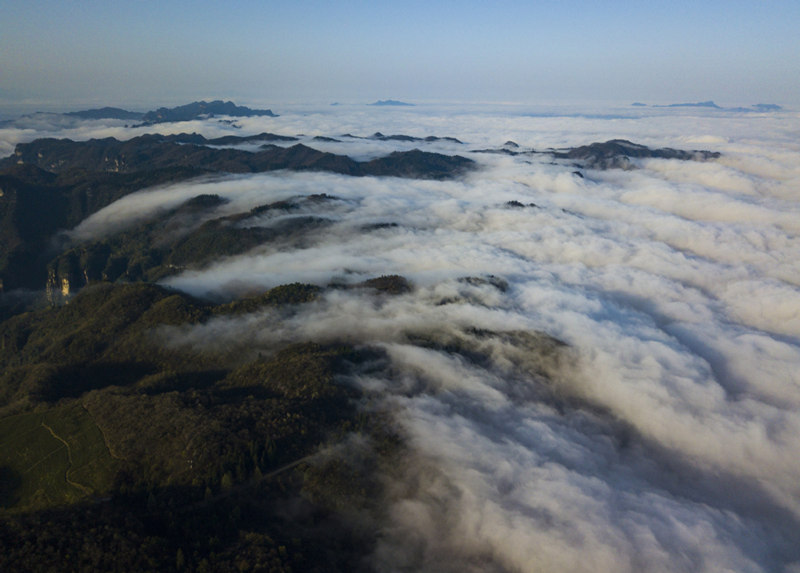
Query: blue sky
[{"x": 67, "y": 54}]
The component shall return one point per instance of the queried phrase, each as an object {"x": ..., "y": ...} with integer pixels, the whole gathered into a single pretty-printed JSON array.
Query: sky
[{"x": 58, "y": 55}]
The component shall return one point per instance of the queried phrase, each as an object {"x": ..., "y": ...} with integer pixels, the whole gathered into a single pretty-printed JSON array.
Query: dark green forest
[{"x": 119, "y": 452}]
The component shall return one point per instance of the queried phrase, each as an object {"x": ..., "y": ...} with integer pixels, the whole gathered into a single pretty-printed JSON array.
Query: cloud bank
[{"x": 665, "y": 434}]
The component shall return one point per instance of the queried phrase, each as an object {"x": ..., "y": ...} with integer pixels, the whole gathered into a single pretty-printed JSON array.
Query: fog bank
[{"x": 662, "y": 435}]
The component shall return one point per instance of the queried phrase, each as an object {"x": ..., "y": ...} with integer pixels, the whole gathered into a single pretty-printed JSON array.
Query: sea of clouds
[{"x": 663, "y": 436}]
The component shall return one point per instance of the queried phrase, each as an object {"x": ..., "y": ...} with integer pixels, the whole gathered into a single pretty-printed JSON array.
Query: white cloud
[{"x": 668, "y": 434}]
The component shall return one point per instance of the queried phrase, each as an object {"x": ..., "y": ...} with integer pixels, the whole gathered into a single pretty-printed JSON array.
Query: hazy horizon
[{"x": 57, "y": 56}]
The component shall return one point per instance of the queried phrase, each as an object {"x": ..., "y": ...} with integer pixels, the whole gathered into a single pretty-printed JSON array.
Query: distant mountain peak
[
  {"x": 391, "y": 102},
  {"x": 199, "y": 109},
  {"x": 708, "y": 103},
  {"x": 105, "y": 113},
  {"x": 758, "y": 107}
]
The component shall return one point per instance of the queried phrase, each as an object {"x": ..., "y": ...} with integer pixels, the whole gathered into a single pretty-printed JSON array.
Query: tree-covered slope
[
  {"x": 53, "y": 184},
  {"x": 190, "y": 454}
]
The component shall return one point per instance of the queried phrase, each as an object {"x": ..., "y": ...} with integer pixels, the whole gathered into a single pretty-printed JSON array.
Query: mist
[{"x": 636, "y": 406}]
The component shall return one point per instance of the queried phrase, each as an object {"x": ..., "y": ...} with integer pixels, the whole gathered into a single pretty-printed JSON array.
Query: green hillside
[
  {"x": 53, "y": 457},
  {"x": 119, "y": 452}
]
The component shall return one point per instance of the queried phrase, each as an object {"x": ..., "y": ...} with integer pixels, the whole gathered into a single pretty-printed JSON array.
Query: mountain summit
[
  {"x": 200, "y": 109},
  {"x": 391, "y": 102}
]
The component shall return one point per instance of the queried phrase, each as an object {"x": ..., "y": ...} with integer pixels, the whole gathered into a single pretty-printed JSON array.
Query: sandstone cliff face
[
  {"x": 61, "y": 285},
  {"x": 67, "y": 274},
  {"x": 84, "y": 265}
]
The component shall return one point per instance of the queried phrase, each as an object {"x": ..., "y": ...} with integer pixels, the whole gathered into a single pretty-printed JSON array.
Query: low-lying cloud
[{"x": 665, "y": 435}]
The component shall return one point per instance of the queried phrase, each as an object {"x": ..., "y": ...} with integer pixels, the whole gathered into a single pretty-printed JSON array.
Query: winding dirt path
[{"x": 83, "y": 488}]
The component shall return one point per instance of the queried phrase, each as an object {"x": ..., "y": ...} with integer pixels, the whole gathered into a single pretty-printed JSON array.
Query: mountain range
[
  {"x": 52, "y": 184},
  {"x": 758, "y": 107},
  {"x": 200, "y": 109},
  {"x": 187, "y": 112}
]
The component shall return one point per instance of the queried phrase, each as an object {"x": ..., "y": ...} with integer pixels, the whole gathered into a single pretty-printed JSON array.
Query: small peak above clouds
[
  {"x": 391, "y": 102},
  {"x": 106, "y": 113},
  {"x": 200, "y": 109},
  {"x": 710, "y": 105}
]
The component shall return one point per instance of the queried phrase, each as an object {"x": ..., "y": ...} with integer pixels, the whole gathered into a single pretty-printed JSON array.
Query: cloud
[
  {"x": 664, "y": 436},
  {"x": 655, "y": 466},
  {"x": 246, "y": 192}
]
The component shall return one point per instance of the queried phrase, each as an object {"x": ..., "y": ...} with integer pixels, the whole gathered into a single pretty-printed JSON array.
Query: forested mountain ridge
[
  {"x": 159, "y": 151},
  {"x": 200, "y": 109},
  {"x": 53, "y": 184},
  {"x": 176, "y": 451}
]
